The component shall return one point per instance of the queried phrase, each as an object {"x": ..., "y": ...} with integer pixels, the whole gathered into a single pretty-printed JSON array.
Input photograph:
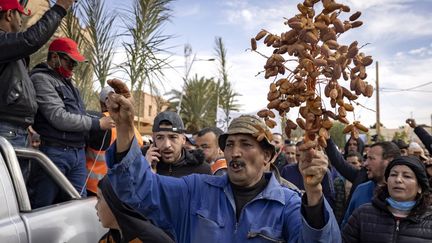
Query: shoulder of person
[{"x": 194, "y": 157}]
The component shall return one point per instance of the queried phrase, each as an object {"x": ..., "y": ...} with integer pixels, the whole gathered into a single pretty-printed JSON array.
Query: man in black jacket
[
  {"x": 17, "y": 95},
  {"x": 167, "y": 148}
]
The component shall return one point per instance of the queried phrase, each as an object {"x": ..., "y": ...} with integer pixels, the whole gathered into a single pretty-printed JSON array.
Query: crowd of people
[{"x": 245, "y": 184}]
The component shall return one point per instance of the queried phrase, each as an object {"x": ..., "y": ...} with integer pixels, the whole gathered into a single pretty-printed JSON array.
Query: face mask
[
  {"x": 402, "y": 206},
  {"x": 62, "y": 71}
]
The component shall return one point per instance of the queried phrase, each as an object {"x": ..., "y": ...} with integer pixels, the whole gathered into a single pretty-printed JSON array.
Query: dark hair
[
  {"x": 266, "y": 146},
  {"x": 390, "y": 149},
  {"x": 2, "y": 14},
  {"x": 424, "y": 200},
  {"x": 276, "y": 133},
  {"x": 216, "y": 131},
  {"x": 355, "y": 154},
  {"x": 50, "y": 55}
]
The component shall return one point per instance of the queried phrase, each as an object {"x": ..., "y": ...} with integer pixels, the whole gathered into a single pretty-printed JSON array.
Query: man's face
[
  {"x": 15, "y": 20},
  {"x": 352, "y": 145},
  {"x": 245, "y": 159},
  {"x": 35, "y": 144},
  {"x": 290, "y": 153},
  {"x": 375, "y": 164},
  {"x": 277, "y": 141},
  {"x": 103, "y": 211},
  {"x": 209, "y": 144},
  {"x": 170, "y": 144},
  {"x": 67, "y": 62},
  {"x": 354, "y": 161}
]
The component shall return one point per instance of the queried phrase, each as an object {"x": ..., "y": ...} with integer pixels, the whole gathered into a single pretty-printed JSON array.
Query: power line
[
  {"x": 389, "y": 90},
  {"x": 408, "y": 89}
]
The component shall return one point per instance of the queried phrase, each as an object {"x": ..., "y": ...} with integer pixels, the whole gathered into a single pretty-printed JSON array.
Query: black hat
[
  {"x": 169, "y": 117},
  {"x": 415, "y": 165}
]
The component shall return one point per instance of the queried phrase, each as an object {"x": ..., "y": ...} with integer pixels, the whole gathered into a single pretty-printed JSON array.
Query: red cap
[
  {"x": 6, "y": 5},
  {"x": 67, "y": 46}
]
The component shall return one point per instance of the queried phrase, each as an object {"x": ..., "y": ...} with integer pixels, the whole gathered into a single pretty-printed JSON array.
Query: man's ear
[
  {"x": 267, "y": 156},
  {"x": 9, "y": 15}
]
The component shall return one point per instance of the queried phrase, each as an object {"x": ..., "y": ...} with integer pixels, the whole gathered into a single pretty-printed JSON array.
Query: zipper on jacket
[
  {"x": 241, "y": 211},
  {"x": 395, "y": 236},
  {"x": 397, "y": 225}
]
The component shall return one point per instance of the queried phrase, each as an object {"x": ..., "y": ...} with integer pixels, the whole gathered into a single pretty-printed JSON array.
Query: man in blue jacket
[{"x": 245, "y": 205}]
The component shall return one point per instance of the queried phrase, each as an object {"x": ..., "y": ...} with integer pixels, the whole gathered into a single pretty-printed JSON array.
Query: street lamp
[{"x": 188, "y": 67}]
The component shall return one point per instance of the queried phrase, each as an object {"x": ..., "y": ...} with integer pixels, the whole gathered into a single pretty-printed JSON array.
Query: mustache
[
  {"x": 167, "y": 150},
  {"x": 237, "y": 162}
]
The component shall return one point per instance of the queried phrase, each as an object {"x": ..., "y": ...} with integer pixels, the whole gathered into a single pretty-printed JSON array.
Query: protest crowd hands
[
  {"x": 411, "y": 122},
  {"x": 313, "y": 166}
]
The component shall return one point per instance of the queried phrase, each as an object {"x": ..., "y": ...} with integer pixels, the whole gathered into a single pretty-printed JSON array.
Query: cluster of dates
[{"x": 322, "y": 63}]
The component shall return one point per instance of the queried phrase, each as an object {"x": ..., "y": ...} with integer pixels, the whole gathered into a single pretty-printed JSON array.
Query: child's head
[{"x": 104, "y": 212}]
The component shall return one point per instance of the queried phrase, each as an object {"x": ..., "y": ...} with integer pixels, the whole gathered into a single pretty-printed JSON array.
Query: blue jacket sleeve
[
  {"x": 425, "y": 138},
  {"x": 329, "y": 233},
  {"x": 337, "y": 160},
  {"x": 160, "y": 198}
]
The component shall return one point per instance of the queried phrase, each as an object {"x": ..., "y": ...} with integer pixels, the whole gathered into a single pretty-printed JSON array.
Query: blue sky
[{"x": 399, "y": 33}]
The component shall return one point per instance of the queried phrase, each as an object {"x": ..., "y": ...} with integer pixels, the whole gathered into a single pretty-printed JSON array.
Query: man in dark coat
[{"x": 167, "y": 152}]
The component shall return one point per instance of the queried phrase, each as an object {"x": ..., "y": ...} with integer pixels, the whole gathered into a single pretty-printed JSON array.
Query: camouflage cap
[{"x": 247, "y": 124}]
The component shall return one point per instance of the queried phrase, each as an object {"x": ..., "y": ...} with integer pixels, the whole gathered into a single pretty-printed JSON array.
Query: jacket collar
[{"x": 273, "y": 190}]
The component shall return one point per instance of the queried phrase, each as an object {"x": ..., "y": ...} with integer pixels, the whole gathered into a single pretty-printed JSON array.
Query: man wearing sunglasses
[{"x": 61, "y": 120}]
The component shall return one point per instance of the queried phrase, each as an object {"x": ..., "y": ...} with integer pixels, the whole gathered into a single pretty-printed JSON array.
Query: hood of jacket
[
  {"x": 45, "y": 68},
  {"x": 132, "y": 223},
  {"x": 360, "y": 146}
]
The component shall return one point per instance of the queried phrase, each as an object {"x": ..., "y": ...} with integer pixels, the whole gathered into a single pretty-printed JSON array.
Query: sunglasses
[{"x": 70, "y": 62}]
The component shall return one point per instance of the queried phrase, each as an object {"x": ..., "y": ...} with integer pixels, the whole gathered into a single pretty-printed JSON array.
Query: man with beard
[
  {"x": 379, "y": 155},
  {"x": 168, "y": 149},
  {"x": 245, "y": 205}
]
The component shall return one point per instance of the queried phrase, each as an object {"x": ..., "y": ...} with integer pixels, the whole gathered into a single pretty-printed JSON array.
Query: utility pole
[
  {"x": 188, "y": 66},
  {"x": 378, "y": 123}
]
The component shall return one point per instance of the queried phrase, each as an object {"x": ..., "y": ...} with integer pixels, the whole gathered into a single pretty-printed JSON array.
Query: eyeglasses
[{"x": 70, "y": 62}]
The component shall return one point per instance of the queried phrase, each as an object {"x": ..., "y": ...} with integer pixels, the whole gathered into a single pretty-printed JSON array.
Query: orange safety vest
[
  {"x": 95, "y": 160},
  {"x": 218, "y": 164}
]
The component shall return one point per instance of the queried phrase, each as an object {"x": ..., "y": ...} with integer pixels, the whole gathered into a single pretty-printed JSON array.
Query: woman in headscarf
[
  {"x": 401, "y": 210},
  {"x": 125, "y": 224}
]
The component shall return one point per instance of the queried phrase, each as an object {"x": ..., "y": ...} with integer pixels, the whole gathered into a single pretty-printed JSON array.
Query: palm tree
[
  {"x": 198, "y": 104},
  {"x": 145, "y": 54},
  {"x": 99, "y": 24},
  {"x": 226, "y": 94}
]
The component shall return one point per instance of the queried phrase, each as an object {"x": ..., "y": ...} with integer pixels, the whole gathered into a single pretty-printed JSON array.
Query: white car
[{"x": 74, "y": 220}]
